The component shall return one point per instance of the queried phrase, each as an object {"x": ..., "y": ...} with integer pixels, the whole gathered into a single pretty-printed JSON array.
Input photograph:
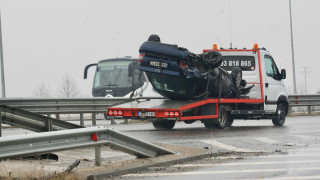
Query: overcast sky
[{"x": 45, "y": 39}]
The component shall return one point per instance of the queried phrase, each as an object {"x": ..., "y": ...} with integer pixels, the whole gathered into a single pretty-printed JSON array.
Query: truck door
[{"x": 272, "y": 85}]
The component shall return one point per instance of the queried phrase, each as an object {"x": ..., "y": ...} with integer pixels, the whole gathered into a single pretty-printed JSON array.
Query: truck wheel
[
  {"x": 236, "y": 75},
  {"x": 223, "y": 118},
  {"x": 281, "y": 115},
  {"x": 164, "y": 124}
]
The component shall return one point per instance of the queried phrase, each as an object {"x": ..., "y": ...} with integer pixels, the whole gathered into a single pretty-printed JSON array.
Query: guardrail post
[
  {"x": 0, "y": 122},
  {"x": 94, "y": 120},
  {"x": 309, "y": 110},
  {"x": 49, "y": 124},
  {"x": 98, "y": 155},
  {"x": 58, "y": 116},
  {"x": 81, "y": 119},
  {"x": 112, "y": 120}
]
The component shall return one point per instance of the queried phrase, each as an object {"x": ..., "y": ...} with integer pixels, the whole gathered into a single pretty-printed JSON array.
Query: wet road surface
[{"x": 247, "y": 150}]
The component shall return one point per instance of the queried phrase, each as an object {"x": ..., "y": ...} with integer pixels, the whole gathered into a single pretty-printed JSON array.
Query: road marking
[
  {"x": 224, "y": 172},
  {"x": 245, "y": 163},
  {"x": 267, "y": 140},
  {"x": 228, "y": 147},
  {"x": 268, "y": 156},
  {"x": 287, "y": 178}
]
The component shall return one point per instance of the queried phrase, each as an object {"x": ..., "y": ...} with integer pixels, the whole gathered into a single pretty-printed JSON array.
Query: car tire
[
  {"x": 223, "y": 118},
  {"x": 236, "y": 75}
]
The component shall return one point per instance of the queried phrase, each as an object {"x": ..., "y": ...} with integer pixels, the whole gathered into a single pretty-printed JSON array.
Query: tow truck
[{"x": 268, "y": 98}]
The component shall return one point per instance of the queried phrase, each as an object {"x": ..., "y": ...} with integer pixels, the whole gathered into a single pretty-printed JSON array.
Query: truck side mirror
[
  {"x": 283, "y": 74},
  {"x": 86, "y": 70}
]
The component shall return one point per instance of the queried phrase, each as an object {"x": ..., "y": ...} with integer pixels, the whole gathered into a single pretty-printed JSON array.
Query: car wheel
[
  {"x": 236, "y": 75},
  {"x": 223, "y": 118}
]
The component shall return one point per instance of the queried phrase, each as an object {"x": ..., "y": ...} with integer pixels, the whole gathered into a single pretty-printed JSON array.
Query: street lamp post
[
  {"x": 292, "y": 51},
  {"x": 1, "y": 64}
]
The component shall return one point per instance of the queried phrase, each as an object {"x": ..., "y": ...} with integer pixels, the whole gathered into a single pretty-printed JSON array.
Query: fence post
[
  {"x": 98, "y": 155},
  {"x": 81, "y": 120},
  {"x": 309, "y": 110},
  {"x": 94, "y": 120}
]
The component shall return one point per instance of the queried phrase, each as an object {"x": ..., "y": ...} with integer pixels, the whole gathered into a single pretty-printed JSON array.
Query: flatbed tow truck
[{"x": 268, "y": 98}]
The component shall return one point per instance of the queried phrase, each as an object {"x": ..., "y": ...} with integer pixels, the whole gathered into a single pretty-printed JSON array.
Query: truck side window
[{"x": 271, "y": 68}]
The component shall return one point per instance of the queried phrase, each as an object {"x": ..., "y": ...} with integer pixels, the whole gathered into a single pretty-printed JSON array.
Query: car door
[{"x": 273, "y": 84}]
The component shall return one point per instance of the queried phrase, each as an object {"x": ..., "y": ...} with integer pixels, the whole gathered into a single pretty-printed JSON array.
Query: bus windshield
[{"x": 112, "y": 74}]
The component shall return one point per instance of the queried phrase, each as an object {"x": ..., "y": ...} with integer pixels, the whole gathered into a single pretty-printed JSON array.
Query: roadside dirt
[{"x": 111, "y": 161}]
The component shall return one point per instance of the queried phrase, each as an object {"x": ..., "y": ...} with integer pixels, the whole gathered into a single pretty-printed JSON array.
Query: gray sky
[{"x": 45, "y": 39}]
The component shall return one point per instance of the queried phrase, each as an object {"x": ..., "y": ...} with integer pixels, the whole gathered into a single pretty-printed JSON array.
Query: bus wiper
[{"x": 117, "y": 77}]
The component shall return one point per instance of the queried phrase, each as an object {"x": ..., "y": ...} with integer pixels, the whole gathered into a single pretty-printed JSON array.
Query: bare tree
[
  {"x": 42, "y": 91},
  {"x": 69, "y": 88}
]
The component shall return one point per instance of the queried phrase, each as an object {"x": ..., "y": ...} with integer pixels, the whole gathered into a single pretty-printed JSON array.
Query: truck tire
[
  {"x": 281, "y": 115},
  {"x": 236, "y": 75},
  {"x": 223, "y": 118},
  {"x": 164, "y": 124}
]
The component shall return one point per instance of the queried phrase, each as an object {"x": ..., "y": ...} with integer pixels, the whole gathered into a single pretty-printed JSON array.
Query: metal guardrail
[
  {"x": 64, "y": 105},
  {"x": 99, "y": 105},
  {"x": 304, "y": 100},
  {"x": 30, "y": 144},
  {"x": 32, "y": 121}
]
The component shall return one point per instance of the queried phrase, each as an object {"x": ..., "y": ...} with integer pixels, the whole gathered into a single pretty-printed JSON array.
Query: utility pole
[
  {"x": 305, "y": 71},
  {"x": 292, "y": 52},
  {"x": 1, "y": 64}
]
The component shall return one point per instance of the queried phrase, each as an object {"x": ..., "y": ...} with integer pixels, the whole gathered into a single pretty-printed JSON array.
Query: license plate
[
  {"x": 143, "y": 114},
  {"x": 158, "y": 64}
]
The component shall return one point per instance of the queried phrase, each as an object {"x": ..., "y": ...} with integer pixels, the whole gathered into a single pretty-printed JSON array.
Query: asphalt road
[{"x": 247, "y": 150}]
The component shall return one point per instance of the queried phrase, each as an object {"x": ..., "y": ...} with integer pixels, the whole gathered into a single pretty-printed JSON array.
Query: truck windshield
[{"x": 112, "y": 74}]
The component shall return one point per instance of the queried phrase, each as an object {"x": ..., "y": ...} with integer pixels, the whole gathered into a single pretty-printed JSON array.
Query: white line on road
[
  {"x": 287, "y": 178},
  {"x": 266, "y": 140},
  {"x": 224, "y": 172},
  {"x": 245, "y": 163},
  {"x": 269, "y": 156},
  {"x": 228, "y": 147}
]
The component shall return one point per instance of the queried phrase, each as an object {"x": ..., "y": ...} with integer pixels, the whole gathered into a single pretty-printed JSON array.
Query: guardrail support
[
  {"x": 49, "y": 124},
  {"x": 112, "y": 120},
  {"x": 81, "y": 119},
  {"x": 0, "y": 122},
  {"x": 98, "y": 155},
  {"x": 94, "y": 119},
  {"x": 58, "y": 116},
  {"x": 309, "y": 110}
]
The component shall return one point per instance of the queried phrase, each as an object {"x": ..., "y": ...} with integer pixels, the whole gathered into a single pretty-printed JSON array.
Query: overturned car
[{"x": 179, "y": 74}]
